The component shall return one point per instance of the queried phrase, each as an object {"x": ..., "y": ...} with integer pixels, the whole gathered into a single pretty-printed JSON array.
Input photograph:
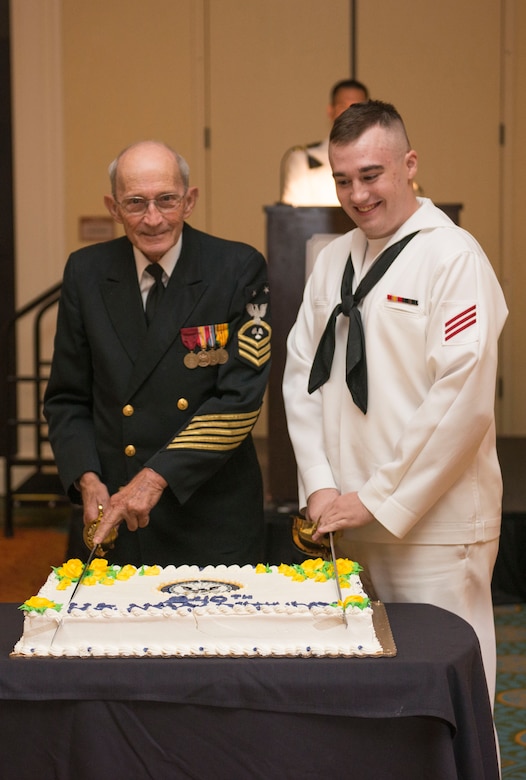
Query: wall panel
[{"x": 272, "y": 65}]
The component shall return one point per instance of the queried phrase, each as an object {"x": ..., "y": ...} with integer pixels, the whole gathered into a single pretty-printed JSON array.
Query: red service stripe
[
  {"x": 470, "y": 319},
  {"x": 467, "y": 324},
  {"x": 462, "y": 314}
]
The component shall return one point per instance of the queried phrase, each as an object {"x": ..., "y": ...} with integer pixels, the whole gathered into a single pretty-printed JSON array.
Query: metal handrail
[{"x": 38, "y": 306}]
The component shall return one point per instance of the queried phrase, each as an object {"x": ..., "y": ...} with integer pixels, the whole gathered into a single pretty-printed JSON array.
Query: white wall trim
[
  {"x": 38, "y": 160},
  {"x": 38, "y": 167}
]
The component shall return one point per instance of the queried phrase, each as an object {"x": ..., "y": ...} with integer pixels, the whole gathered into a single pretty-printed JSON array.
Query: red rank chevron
[{"x": 465, "y": 319}]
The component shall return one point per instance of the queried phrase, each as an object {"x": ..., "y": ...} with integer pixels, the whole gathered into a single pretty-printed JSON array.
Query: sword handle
[{"x": 89, "y": 532}]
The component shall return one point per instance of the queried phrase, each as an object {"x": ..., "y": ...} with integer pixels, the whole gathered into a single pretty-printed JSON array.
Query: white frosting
[{"x": 265, "y": 614}]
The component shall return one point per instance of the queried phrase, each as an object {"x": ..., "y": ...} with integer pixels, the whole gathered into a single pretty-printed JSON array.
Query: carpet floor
[
  {"x": 33, "y": 552},
  {"x": 510, "y": 704}
]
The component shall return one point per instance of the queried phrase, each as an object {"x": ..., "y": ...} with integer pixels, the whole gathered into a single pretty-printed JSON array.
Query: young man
[{"x": 390, "y": 381}]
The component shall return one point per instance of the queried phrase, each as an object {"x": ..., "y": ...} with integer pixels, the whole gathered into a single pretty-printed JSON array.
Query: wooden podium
[{"x": 289, "y": 230}]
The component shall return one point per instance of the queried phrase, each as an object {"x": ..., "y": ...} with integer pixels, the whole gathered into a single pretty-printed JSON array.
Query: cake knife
[
  {"x": 75, "y": 589},
  {"x": 337, "y": 578}
]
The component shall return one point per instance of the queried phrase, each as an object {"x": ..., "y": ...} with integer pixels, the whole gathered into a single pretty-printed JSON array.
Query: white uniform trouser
[{"x": 454, "y": 577}]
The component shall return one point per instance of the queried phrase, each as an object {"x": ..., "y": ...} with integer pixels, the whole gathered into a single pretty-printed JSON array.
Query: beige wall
[
  {"x": 513, "y": 235},
  {"x": 130, "y": 71},
  {"x": 439, "y": 63},
  {"x": 92, "y": 77},
  {"x": 189, "y": 64}
]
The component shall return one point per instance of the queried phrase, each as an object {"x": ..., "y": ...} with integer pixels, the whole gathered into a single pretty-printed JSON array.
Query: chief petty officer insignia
[{"x": 254, "y": 336}]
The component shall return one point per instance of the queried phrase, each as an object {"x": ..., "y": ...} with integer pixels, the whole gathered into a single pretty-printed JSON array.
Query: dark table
[{"x": 422, "y": 714}]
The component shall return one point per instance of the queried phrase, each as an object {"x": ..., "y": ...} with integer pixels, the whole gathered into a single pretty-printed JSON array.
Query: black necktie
[
  {"x": 356, "y": 365},
  {"x": 155, "y": 293}
]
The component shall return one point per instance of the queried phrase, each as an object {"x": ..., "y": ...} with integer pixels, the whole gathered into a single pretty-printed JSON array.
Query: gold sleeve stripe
[
  {"x": 192, "y": 432},
  {"x": 219, "y": 432},
  {"x": 228, "y": 417},
  {"x": 181, "y": 445},
  {"x": 203, "y": 444}
]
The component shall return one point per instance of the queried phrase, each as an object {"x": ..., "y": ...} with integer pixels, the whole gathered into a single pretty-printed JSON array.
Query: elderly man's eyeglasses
[{"x": 163, "y": 203}]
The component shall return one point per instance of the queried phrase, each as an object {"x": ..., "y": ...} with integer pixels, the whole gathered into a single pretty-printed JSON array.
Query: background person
[
  {"x": 154, "y": 421},
  {"x": 306, "y": 176}
]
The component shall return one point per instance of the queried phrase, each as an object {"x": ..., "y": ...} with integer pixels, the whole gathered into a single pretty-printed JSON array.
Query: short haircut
[
  {"x": 184, "y": 168},
  {"x": 358, "y": 118},
  {"x": 348, "y": 84}
]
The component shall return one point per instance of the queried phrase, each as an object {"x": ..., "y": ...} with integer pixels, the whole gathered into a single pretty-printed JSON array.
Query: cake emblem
[{"x": 199, "y": 587}]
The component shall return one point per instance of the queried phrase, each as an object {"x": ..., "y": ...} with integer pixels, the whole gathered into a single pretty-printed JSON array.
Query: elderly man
[
  {"x": 390, "y": 384},
  {"x": 161, "y": 359}
]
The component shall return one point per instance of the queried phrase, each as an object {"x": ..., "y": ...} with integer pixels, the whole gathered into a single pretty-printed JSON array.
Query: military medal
[
  {"x": 202, "y": 339},
  {"x": 211, "y": 343},
  {"x": 203, "y": 358},
  {"x": 213, "y": 356},
  {"x": 211, "y": 340},
  {"x": 189, "y": 337},
  {"x": 190, "y": 360},
  {"x": 221, "y": 339}
]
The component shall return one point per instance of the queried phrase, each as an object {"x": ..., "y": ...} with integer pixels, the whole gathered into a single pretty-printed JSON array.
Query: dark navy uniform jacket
[{"x": 121, "y": 396}]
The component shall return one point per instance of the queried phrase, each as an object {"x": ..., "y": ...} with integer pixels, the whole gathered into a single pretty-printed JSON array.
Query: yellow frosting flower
[
  {"x": 126, "y": 572},
  {"x": 99, "y": 566},
  {"x": 345, "y": 566},
  {"x": 39, "y": 604},
  {"x": 71, "y": 569},
  {"x": 90, "y": 580},
  {"x": 298, "y": 577},
  {"x": 320, "y": 570},
  {"x": 64, "y": 583},
  {"x": 284, "y": 568},
  {"x": 354, "y": 601},
  {"x": 151, "y": 571},
  {"x": 39, "y": 601}
]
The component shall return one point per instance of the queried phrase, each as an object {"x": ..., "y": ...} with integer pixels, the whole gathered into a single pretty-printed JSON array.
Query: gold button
[
  {"x": 128, "y": 410},
  {"x": 182, "y": 404},
  {"x": 129, "y": 450}
]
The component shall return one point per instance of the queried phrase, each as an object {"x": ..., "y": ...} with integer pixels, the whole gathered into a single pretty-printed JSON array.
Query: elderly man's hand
[
  {"x": 94, "y": 494},
  {"x": 132, "y": 503}
]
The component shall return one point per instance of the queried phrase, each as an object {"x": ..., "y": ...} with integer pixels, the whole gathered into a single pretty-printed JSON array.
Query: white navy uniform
[
  {"x": 423, "y": 459},
  {"x": 307, "y": 176}
]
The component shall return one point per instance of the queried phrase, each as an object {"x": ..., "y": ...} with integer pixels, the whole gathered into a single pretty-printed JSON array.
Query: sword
[
  {"x": 337, "y": 578},
  {"x": 77, "y": 584}
]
